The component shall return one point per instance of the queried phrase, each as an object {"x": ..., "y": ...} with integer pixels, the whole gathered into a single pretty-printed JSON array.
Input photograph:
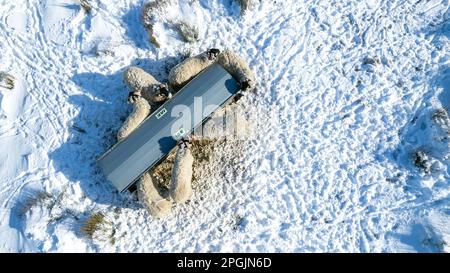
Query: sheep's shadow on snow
[{"x": 102, "y": 109}]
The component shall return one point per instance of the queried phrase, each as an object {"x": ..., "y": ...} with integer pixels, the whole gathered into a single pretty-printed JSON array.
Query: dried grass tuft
[
  {"x": 7, "y": 80},
  {"x": 93, "y": 224},
  {"x": 245, "y": 5},
  {"x": 33, "y": 199},
  {"x": 85, "y": 6},
  {"x": 190, "y": 33}
]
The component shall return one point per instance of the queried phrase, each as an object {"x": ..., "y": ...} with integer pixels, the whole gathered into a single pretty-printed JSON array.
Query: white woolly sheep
[
  {"x": 151, "y": 89},
  {"x": 150, "y": 198},
  {"x": 180, "y": 184},
  {"x": 148, "y": 91},
  {"x": 141, "y": 109},
  {"x": 189, "y": 68},
  {"x": 234, "y": 64},
  {"x": 237, "y": 67}
]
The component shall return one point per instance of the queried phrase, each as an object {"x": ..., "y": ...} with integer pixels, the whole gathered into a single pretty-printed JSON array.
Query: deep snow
[{"x": 348, "y": 93}]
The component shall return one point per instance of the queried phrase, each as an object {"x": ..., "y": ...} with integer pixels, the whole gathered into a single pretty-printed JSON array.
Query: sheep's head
[
  {"x": 183, "y": 143},
  {"x": 246, "y": 84},
  {"x": 161, "y": 92},
  {"x": 213, "y": 53}
]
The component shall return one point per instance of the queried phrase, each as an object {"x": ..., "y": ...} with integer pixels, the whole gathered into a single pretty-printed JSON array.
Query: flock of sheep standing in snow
[{"x": 147, "y": 92}]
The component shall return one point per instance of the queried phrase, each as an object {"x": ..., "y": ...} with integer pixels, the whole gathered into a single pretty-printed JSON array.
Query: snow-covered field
[{"x": 351, "y": 149}]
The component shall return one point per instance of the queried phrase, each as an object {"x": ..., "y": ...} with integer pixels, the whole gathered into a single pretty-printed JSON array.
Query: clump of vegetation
[
  {"x": 421, "y": 161},
  {"x": 441, "y": 117},
  {"x": 371, "y": 61},
  {"x": 155, "y": 11},
  {"x": 162, "y": 173},
  {"x": 93, "y": 223},
  {"x": 152, "y": 8},
  {"x": 440, "y": 114},
  {"x": 98, "y": 227},
  {"x": 7, "y": 80},
  {"x": 151, "y": 35},
  {"x": 239, "y": 222},
  {"x": 148, "y": 18},
  {"x": 435, "y": 243},
  {"x": 84, "y": 4},
  {"x": 245, "y": 5},
  {"x": 99, "y": 52},
  {"x": 190, "y": 33},
  {"x": 201, "y": 149},
  {"x": 33, "y": 199}
]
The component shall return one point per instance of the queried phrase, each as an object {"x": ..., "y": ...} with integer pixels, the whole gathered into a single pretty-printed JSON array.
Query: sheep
[
  {"x": 147, "y": 91},
  {"x": 180, "y": 184},
  {"x": 151, "y": 89},
  {"x": 238, "y": 68},
  {"x": 234, "y": 64},
  {"x": 138, "y": 79},
  {"x": 150, "y": 198},
  {"x": 189, "y": 68},
  {"x": 141, "y": 109}
]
